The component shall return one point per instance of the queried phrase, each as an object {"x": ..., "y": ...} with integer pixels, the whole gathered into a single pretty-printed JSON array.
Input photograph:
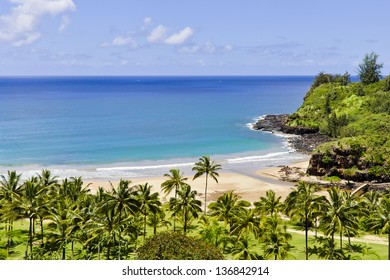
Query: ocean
[{"x": 111, "y": 127}]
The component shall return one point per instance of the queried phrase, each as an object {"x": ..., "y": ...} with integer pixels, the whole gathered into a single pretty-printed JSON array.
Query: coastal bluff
[{"x": 306, "y": 140}]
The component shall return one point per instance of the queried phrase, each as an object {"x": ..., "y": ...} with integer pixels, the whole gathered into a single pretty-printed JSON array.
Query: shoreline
[
  {"x": 301, "y": 139},
  {"x": 250, "y": 186}
]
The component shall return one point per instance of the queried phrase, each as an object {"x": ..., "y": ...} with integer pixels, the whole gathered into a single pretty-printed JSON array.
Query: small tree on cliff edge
[{"x": 370, "y": 70}]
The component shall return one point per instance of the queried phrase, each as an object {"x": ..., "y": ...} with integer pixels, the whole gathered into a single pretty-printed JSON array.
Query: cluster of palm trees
[
  {"x": 66, "y": 221},
  {"x": 69, "y": 217}
]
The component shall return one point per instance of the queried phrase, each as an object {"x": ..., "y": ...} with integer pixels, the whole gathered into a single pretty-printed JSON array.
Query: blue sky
[{"x": 191, "y": 37}]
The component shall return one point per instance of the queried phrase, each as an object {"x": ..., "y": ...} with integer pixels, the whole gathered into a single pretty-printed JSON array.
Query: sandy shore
[{"x": 249, "y": 186}]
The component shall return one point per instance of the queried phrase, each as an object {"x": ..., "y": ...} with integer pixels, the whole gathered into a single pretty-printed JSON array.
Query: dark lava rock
[{"x": 307, "y": 138}]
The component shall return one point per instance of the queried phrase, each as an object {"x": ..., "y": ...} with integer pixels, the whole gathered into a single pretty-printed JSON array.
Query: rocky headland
[{"x": 305, "y": 140}]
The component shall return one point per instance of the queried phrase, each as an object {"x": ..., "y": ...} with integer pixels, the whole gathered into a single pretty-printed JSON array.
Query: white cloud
[
  {"x": 228, "y": 48},
  {"x": 64, "y": 23},
  {"x": 124, "y": 62},
  {"x": 180, "y": 38},
  {"x": 158, "y": 34},
  {"x": 190, "y": 49},
  {"x": 123, "y": 41},
  {"x": 148, "y": 21},
  {"x": 207, "y": 48},
  {"x": 20, "y": 25},
  {"x": 28, "y": 39}
]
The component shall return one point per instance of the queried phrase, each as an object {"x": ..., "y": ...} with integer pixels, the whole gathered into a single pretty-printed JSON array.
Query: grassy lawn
[{"x": 20, "y": 237}]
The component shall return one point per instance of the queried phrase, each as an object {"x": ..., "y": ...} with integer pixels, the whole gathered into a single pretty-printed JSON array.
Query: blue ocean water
[{"x": 108, "y": 124}]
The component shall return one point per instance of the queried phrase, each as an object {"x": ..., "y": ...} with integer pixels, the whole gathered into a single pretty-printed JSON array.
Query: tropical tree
[
  {"x": 338, "y": 216},
  {"x": 227, "y": 207},
  {"x": 102, "y": 228},
  {"x": 27, "y": 205},
  {"x": 209, "y": 168},
  {"x": 185, "y": 204},
  {"x": 304, "y": 205},
  {"x": 248, "y": 222},
  {"x": 276, "y": 238},
  {"x": 123, "y": 201},
  {"x": 48, "y": 181},
  {"x": 242, "y": 248},
  {"x": 9, "y": 188},
  {"x": 175, "y": 181},
  {"x": 157, "y": 219},
  {"x": 213, "y": 232},
  {"x": 148, "y": 202},
  {"x": 268, "y": 205},
  {"x": 381, "y": 219},
  {"x": 370, "y": 70},
  {"x": 62, "y": 225}
]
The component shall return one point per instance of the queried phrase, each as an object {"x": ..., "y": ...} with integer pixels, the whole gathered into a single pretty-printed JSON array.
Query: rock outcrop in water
[{"x": 306, "y": 140}]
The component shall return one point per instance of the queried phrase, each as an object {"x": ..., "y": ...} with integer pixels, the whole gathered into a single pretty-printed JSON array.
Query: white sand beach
[{"x": 249, "y": 187}]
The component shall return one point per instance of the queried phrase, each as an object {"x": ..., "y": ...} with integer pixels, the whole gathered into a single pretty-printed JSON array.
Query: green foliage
[
  {"x": 332, "y": 179},
  {"x": 379, "y": 102},
  {"x": 335, "y": 124},
  {"x": 358, "y": 116},
  {"x": 3, "y": 254},
  {"x": 386, "y": 82},
  {"x": 324, "y": 78},
  {"x": 176, "y": 246},
  {"x": 370, "y": 70}
]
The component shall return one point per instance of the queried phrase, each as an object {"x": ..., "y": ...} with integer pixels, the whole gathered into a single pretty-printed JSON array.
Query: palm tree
[
  {"x": 303, "y": 204},
  {"x": 227, "y": 207},
  {"x": 48, "y": 181},
  {"x": 243, "y": 249},
  {"x": 175, "y": 181},
  {"x": 208, "y": 167},
  {"x": 62, "y": 224},
  {"x": 213, "y": 232},
  {"x": 9, "y": 187},
  {"x": 185, "y": 204},
  {"x": 338, "y": 215},
  {"x": 157, "y": 219},
  {"x": 27, "y": 204},
  {"x": 148, "y": 202},
  {"x": 276, "y": 238},
  {"x": 269, "y": 204},
  {"x": 246, "y": 223},
  {"x": 122, "y": 200},
  {"x": 381, "y": 219}
]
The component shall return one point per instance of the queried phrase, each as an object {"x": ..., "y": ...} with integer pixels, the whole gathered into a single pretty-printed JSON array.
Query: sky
[{"x": 191, "y": 37}]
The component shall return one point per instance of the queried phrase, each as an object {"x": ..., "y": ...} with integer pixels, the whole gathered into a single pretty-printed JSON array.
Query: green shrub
[
  {"x": 386, "y": 83},
  {"x": 370, "y": 70},
  {"x": 176, "y": 246},
  {"x": 3, "y": 254}
]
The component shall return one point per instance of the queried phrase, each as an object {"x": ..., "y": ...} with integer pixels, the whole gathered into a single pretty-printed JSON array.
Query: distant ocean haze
[{"x": 109, "y": 123}]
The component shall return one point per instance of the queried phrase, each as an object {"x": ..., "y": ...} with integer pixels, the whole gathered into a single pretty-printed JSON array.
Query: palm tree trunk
[
  {"x": 64, "y": 251},
  {"x": 31, "y": 235},
  {"x": 388, "y": 249},
  {"x": 144, "y": 227},
  {"x": 185, "y": 222},
  {"x": 205, "y": 195},
  {"x": 108, "y": 250},
  {"x": 120, "y": 234},
  {"x": 72, "y": 249},
  {"x": 306, "y": 236},
  {"x": 341, "y": 240},
  {"x": 331, "y": 247},
  {"x": 174, "y": 214},
  {"x": 41, "y": 221}
]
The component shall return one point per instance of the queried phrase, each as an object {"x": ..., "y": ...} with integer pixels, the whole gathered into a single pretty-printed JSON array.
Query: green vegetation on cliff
[{"x": 357, "y": 116}]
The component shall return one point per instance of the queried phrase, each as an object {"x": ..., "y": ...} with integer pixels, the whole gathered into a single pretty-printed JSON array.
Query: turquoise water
[{"x": 138, "y": 123}]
